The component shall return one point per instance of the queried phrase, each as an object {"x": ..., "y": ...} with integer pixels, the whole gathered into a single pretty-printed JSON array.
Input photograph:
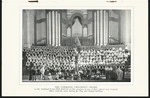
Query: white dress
[
  {"x": 42, "y": 70},
  {"x": 119, "y": 73}
]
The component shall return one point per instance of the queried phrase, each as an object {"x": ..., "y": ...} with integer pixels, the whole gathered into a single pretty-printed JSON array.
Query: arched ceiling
[{"x": 75, "y": 11}]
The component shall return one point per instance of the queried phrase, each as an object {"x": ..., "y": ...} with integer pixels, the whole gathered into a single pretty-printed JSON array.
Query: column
[
  {"x": 30, "y": 28},
  {"x": 126, "y": 28},
  {"x": 53, "y": 29},
  {"x": 47, "y": 17},
  {"x": 50, "y": 28},
  {"x": 35, "y": 32},
  {"x": 101, "y": 27},
  {"x": 98, "y": 29},
  {"x": 108, "y": 27},
  {"x": 58, "y": 29},
  {"x": 61, "y": 27},
  {"x": 105, "y": 33},
  {"x": 95, "y": 42}
]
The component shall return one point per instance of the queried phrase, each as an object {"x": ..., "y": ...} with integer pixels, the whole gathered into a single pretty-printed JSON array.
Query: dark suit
[{"x": 31, "y": 71}]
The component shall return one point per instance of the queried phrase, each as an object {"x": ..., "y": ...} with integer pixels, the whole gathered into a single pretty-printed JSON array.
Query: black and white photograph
[{"x": 81, "y": 45}]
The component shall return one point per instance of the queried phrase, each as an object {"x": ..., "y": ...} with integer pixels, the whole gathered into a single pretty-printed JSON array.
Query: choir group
[{"x": 71, "y": 63}]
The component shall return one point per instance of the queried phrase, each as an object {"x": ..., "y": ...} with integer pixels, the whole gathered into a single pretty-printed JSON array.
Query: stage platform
[{"x": 26, "y": 79}]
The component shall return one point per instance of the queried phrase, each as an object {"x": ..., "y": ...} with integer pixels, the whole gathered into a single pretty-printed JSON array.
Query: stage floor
[{"x": 25, "y": 78}]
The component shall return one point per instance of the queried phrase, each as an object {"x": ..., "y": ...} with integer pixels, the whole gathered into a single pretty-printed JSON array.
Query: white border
[{"x": 10, "y": 48}]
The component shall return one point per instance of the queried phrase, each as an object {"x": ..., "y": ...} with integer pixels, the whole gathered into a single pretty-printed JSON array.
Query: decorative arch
[
  {"x": 77, "y": 19},
  {"x": 77, "y": 14}
]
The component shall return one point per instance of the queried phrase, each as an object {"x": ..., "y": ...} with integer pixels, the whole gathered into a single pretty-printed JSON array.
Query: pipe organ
[{"x": 53, "y": 28}]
